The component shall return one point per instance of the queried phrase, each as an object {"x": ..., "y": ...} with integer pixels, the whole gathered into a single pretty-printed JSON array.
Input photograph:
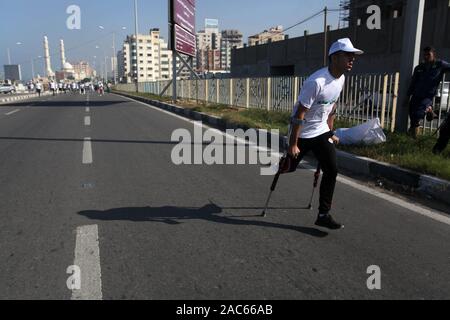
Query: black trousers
[
  {"x": 444, "y": 137},
  {"x": 417, "y": 110},
  {"x": 325, "y": 153}
]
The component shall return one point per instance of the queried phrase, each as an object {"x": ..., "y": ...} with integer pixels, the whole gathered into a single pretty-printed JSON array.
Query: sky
[{"x": 27, "y": 21}]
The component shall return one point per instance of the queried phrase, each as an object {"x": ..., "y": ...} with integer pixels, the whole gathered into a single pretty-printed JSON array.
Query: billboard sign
[
  {"x": 185, "y": 42},
  {"x": 183, "y": 26},
  {"x": 184, "y": 14},
  {"x": 211, "y": 23}
]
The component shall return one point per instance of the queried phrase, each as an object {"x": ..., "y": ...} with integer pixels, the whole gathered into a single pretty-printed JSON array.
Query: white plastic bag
[{"x": 368, "y": 133}]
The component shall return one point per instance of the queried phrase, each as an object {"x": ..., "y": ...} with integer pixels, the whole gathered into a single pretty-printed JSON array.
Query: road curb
[
  {"x": 423, "y": 184},
  {"x": 20, "y": 98}
]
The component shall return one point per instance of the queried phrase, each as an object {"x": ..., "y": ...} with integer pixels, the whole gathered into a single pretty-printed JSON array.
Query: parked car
[{"x": 7, "y": 88}]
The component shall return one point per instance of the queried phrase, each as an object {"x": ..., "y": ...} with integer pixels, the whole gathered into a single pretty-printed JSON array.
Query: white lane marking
[
  {"x": 87, "y": 258},
  {"x": 87, "y": 121},
  {"x": 379, "y": 194},
  {"x": 402, "y": 203},
  {"x": 12, "y": 112},
  {"x": 406, "y": 205},
  {"x": 87, "y": 151},
  {"x": 88, "y": 109}
]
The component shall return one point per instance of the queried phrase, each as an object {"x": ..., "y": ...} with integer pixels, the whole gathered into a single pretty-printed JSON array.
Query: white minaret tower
[
  {"x": 48, "y": 65},
  {"x": 63, "y": 54}
]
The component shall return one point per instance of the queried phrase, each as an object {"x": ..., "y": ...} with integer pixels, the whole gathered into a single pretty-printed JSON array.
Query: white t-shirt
[{"x": 319, "y": 94}]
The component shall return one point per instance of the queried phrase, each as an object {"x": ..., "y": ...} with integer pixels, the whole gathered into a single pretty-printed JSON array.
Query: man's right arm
[
  {"x": 307, "y": 97},
  {"x": 296, "y": 129}
]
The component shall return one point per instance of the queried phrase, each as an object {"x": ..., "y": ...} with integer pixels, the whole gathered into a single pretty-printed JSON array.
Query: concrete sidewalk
[{"x": 23, "y": 97}]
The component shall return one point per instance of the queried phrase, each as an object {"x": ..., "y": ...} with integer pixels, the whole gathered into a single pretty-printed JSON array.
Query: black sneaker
[{"x": 328, "y": 222}]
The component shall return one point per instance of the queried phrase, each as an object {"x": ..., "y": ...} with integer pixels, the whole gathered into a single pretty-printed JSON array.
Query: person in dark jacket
[
  {"x": 424, "y": 86},
  {"x": 444, "y": 137}
]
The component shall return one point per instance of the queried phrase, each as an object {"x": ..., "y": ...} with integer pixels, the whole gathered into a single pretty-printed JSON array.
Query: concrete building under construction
[{"x": 300, "y": 56}]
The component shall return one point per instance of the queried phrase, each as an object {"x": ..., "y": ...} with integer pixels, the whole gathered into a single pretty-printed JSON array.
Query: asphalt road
[{"x": 141, "y": 227}]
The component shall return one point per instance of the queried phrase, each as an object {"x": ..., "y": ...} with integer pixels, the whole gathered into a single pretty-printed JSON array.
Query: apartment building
[
  {"x": 208, "y": 47},
  {"x": 146, "y": 58},
  {"x": 272, "y": 35},
  {"x": 230, "y": 39}
]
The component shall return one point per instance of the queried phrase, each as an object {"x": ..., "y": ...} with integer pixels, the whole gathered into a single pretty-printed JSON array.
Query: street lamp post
[
  {"x": 114, "y": 59},
  {"x": 8, "y": 50},
  {"x": 43, "y": 67},
  {"x": 32, "y": 68},
  {"x": 106, "y": 69},
  {"x": 114, "y": 63},
  {"x": 9, "y": 56},
  {"x": 136, "y": 28}
]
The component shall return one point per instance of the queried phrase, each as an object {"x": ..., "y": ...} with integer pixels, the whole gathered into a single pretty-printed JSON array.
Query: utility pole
[
  {"x": 32, "y": 68},
  {"x": 412, "y": 37},
  {"x": 9, "y": 56},
  {"x": 114, "y": 59},
  {"x": 174, "y": 52},
  {"x": 136, "y": 28},
  {"x": 325, "y": 37},
  {"x": 106, "y": 69}
]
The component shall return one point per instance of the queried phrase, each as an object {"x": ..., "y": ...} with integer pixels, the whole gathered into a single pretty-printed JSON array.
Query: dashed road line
[
  {"x": 12, "y": 112},
  {"x": 87, "y": 259},
  {"x": 87, "y": 121},
  {"x": 87, "y": 151}
]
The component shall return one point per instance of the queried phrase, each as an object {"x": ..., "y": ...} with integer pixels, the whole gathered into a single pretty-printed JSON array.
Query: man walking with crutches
[{"x": 312, "y": 125}]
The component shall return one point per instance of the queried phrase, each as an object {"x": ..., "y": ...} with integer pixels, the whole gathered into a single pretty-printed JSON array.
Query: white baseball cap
[{"x": 344, "y": 45}]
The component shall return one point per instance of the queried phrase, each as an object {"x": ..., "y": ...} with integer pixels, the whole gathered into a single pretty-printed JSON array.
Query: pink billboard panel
[
  {"x": 184, "y": 41},
  {"x": 184, "y": 14}
]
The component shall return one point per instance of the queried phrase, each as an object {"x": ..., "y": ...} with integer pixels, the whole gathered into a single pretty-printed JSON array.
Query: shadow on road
[
  {"x": 175, "y": 216},
  {"x": 106, "y": 141},
  {"x": 92, "y": 140},
  {"x": 64, "y": 104}
]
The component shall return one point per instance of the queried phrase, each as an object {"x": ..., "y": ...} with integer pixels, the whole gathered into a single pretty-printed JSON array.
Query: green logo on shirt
[{"x": 325, "y": 102}]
